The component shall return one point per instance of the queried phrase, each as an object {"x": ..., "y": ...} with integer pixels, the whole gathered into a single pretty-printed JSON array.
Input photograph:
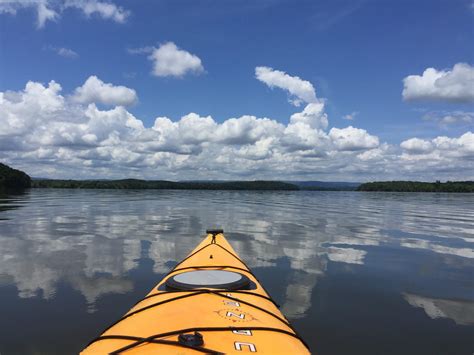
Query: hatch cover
[{"x": 218, "y": 279}]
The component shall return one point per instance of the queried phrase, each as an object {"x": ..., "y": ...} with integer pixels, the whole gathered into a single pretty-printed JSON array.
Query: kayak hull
[{"x": 230, "y": 321}]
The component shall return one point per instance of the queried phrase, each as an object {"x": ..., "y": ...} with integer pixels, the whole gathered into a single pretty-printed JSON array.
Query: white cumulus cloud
[
  {"x": 351, "y": 138},
  {"x": 67, "y": 53},
  {"x": 299, "y": 89},
  {"x": 51, "y": 10},
  {"x": 464, "y": 145},
  {"x": 417, "y": 146},
  {"x": 51, "y": 134},
  {"x": 169, "y": 60},
  {"x": 44, "y": 9},
  {"x": 45, "y": 13},
  {"x": 455, "y": 85},
  {"x": 450, "y": 154},
  {"x": 247, "y": 130},
  {"x": 313, "y": 115},
  {"x": 103, "y": 9},
  {"x": 95, "y": 90}
]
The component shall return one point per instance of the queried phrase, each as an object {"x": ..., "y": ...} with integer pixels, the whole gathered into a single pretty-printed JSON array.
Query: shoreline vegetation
[
  {"x": 418, "y": 186},
  {"x": 163, "y": 185},
  {"x": 387, "y": 186},
  {"x": 188, "y": 185},
  {"x": 13, "y": 179},
  {"x": 16, "y": 179}
]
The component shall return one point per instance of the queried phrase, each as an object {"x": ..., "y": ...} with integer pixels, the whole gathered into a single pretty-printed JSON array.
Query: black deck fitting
[{"x": 214, "y": 231}]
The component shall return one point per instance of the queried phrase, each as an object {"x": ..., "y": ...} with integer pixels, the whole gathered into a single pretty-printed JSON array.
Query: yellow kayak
[{"x": 209, "y": 303}]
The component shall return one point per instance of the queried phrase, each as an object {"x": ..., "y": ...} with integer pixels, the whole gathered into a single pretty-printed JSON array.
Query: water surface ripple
[{"x": 359, "y": 273}]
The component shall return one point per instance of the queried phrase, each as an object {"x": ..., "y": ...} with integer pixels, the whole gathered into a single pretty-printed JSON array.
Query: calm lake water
[{"x": 356, "y": 273}]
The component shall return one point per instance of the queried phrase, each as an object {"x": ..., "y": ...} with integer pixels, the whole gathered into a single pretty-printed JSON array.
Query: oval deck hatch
[{"x": 218, "y": 279}]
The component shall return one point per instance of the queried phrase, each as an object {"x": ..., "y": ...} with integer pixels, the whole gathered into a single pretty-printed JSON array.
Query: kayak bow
[{"x": 209, "y": 303}]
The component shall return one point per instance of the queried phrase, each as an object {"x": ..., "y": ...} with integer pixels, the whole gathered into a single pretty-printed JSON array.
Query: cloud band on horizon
[{"x": 61, "y": 136}]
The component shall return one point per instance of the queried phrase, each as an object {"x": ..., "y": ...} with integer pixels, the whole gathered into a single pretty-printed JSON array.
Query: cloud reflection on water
[
  {"x": 93, "y": 239},
  {"x": 461, "y": 312}
]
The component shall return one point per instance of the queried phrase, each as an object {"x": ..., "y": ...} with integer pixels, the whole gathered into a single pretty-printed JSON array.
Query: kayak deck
[{"x": 209, "y": 303}]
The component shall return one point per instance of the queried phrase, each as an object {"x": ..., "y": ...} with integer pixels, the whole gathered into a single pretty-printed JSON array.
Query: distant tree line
[
  {"x": 394, "y": 186},
  {"x": 16, "y": 179},
  {"x": 163, "y": 184},
  {"x": 12, "y": 178},
  {"x": 417, "y": 186}
]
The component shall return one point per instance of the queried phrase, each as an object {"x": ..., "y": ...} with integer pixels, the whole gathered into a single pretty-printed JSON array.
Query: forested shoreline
[
  {"x": 13, "y": 179},
  {"x": 16, "y": 179},
  {"x": 418, "y": 186},
  {"x": 163, "y": 185}
]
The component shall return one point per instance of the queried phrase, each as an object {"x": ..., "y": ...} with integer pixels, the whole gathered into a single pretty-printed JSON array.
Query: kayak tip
[{"x": 214, "y": 231}]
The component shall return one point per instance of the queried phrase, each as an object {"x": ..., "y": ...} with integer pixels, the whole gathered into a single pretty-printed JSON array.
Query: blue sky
[{"x": 355, "y": 54}]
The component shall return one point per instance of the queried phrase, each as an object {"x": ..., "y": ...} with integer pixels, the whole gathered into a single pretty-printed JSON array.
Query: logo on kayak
[{"x": 235, "y": 315}]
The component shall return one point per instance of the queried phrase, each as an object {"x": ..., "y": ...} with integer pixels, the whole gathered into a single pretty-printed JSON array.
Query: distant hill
[
  {"x": 418, "y": 186},
  {"x": 326, "y": 185},
  {"x": 13, "y": 179}
]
